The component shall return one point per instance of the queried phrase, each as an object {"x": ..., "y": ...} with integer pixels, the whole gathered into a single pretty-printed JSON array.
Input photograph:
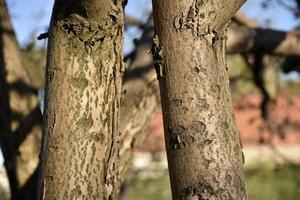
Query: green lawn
[{"x": 282, "y": 183}]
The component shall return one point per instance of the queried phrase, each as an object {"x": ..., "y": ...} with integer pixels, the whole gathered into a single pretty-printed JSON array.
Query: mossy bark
[
  {"x": 83, "y": 93},
  {"x": 204, "y": 152}
]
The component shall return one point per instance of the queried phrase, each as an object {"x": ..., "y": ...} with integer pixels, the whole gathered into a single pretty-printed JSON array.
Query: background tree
[{"x": 20, "y": 123}]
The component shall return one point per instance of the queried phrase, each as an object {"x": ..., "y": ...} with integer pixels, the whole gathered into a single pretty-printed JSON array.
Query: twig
[{"x": 43, "y": 36}]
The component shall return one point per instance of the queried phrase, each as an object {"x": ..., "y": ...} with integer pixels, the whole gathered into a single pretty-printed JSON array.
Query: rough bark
[
  {"x": 20, "y": 124},
  {"x": 83, "y": 92},
  {"x": 204, "y": 152}
]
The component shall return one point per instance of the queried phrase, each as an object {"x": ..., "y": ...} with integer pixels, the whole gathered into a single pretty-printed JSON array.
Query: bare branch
[
  {"x": 245, "y": 39},
  {"x": 43, "y": 36},
  {"x": 291, "y": 63},
  {"x": 132, "y": 21},
  {"x": 242, "y": 19}
]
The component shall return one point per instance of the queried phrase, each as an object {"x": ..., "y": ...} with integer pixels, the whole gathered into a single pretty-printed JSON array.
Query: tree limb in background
[
  {"x": 21, "y": 119},
  {"x": 131, "y": 21},
  {"x": 243, "y": 20},
  {"x": 244, "y": 39},
  {"x": 256, "y": 64},
  {"x": 248, "y": 38},
  {"x": 141, "y": 98},
  {"x": 291, "y": 63}
]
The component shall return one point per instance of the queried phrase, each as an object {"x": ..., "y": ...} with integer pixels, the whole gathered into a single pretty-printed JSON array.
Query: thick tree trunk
[
  {"x": 203, "y": 148},
  {"x": 20, "y": 128},
  {"x": 83, "y": 92}
]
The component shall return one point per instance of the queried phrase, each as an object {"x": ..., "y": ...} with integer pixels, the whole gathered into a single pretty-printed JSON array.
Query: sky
[
  {"x": 281, "y": 18},
  {"x": 32, "y": 17},
  {"x": 29, "y": 18}
]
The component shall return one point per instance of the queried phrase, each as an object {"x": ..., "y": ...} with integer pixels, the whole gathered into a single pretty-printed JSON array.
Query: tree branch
[
  {"x": 242, "y": 19},
  {"x": 245, "y": 39},
  {"x": 291, "y": 63},
  {"x": 226, "y": 10},
  {"x": 129, "y": 20},
  {"x": 43, "y": 36}
]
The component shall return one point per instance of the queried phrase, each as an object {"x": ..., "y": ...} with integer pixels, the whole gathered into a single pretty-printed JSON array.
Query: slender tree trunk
[
  {"x": 204, "y": 152},
  {"x": 83, "y": 92},
  {"x": 20, "y": 123},
  {"x": 140, "y": 101}
]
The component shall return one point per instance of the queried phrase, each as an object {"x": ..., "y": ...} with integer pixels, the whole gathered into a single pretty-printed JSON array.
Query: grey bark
[
  {"x": 83, "y": 93},
  {"x": 204, "y": 152}
]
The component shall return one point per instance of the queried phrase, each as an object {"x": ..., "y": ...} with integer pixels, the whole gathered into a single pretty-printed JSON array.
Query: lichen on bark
[
  {"x": 204, "y": 153},
  {"x": 83, "y": 94}
]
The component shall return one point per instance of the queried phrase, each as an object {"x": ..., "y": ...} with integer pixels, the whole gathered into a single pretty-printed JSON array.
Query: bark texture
[
  {"x": 83, "y": 92},
  {"x": 204, "y": 152},
  {"x": 20, "y": 117}
]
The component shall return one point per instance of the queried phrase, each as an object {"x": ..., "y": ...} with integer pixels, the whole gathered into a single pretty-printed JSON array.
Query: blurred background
[{"x": 265, "y": 85}]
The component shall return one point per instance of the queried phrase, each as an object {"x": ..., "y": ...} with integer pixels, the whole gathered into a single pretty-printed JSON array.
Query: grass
[{"x": 281, "y": 183}]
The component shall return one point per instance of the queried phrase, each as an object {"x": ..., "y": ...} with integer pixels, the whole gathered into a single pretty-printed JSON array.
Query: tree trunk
[
  {"x": 20, "y": 123},
  {"x": 83, "y": 92},
  {"x": 204, "y": 152}
]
